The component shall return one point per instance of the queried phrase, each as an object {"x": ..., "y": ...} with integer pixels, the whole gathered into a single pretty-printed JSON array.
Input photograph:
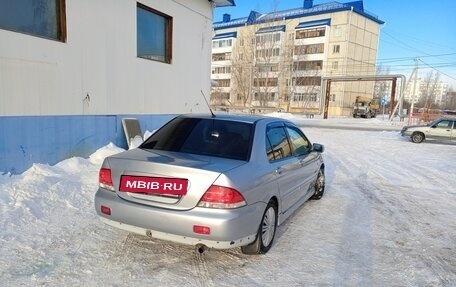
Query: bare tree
[
  {"x": 427, "y": 99},
  {"x": 242, "y": 68},
  {"x": 450, "y": 102},
  {"x": 382, "y": 88}
]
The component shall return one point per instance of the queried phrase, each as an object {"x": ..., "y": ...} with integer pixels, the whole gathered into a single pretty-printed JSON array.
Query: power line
[{"x": 430, "y": 66}]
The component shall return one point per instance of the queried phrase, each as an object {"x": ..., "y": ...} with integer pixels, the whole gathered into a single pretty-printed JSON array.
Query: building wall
[
  {"x": 27, "y": 140},
  {"x": 97, "y": 71},
  {"x": 62, "y": 99}
]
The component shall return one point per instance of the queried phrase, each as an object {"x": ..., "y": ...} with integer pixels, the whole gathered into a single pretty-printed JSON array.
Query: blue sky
[{"x": 413, "y": 28}]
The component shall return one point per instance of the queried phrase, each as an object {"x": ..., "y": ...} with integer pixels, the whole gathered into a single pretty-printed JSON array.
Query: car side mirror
[{"x": 318, "y": 147}]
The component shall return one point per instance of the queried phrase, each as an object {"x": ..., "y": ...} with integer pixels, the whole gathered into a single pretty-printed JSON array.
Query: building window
[
  {"x": 154, "y": 34},
  {"x": 270, "y": 97},
  {"x": 265, "y": 68},
  {"x": 42, "y": 18},
  {"x": 307, "y": 81},
  {"x": 336, "y": 49},
  {"x": 267, "y": 53},
  {"x": 335, "y": 65},
  {"x": 221, "y": 70},
  {"x": 265, "y": 82},
  {"x": 309, "y": 49},
  {"x": 305, "y": 97},
  {"x": 223, "y": 82},
  {"x": 307, "y": 65},
  {"x": 222, "y": 43},
  {"x": 221, "y": 57},
  {"x": 332, "y": 97},
  {"x": 264, "y": 39},
  {"x": 310, "y": 33}
]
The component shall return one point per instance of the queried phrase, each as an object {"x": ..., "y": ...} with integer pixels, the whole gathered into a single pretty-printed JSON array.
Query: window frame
[
  {"x": 168, "y": 34},
  {"x": 61, "y": 25},
  {"x": 273, "y": 153},
  {"x": 294, "y": 149}
]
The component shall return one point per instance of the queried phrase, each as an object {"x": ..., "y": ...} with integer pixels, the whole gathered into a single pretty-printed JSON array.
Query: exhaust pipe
[{"x": 200, "y": 248}]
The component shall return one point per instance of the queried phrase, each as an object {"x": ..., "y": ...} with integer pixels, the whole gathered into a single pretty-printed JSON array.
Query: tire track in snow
[
  {"x": 200, "y": 267},
  {"x": 406, "y": 225}
]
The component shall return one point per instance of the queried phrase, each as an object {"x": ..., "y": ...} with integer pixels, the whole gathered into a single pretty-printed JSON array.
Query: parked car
[
  {"x": 443, "y": 129},
  {"x": 218, "y": 182}
]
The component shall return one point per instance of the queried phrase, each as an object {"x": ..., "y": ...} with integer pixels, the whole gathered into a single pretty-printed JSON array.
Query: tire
[
  {"x": 417, "y": 137},
  {"x": 319, "y": 185},
  {"x": 266, "y": 232}
]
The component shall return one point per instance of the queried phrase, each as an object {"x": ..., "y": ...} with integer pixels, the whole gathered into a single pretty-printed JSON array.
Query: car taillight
[
  {"x": 222, "y": 197},
  {"x": 105, "y": 179}
]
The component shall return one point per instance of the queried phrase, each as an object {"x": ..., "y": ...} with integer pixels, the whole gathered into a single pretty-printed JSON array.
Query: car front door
[
  {"x": 453, "y": 132},
  {"x": 441, "y": 130},
  {"x": 290, "y": 157},
  {"x": 302, "y": 150}
]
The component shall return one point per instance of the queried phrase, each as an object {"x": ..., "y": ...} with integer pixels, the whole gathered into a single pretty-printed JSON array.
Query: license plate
[{"x": 153, "y": 185}]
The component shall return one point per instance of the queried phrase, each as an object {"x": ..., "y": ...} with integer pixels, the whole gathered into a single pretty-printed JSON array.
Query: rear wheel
[
  {"x": 266, "y": 232},
  {"x": 319, "y": 185},
  {"x": 417, "y": 137}
]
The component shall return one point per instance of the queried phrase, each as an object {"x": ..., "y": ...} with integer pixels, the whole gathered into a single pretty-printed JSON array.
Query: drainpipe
[{"x": 341, "y": 101}]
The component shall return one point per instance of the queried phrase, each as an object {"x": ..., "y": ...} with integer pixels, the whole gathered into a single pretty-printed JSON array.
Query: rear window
[{"x": 213, "y": 137}]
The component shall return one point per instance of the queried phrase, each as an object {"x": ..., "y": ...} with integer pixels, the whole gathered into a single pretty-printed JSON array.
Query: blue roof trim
[
  {"x": 223, "y": 3},
  {"x": 308, "y": 24},
  {"x": 326, "y": 8},
  {"x": 254, "y": 15},
  {"x": 271, "y": 29},
  {"x": 225, "y": 35}
]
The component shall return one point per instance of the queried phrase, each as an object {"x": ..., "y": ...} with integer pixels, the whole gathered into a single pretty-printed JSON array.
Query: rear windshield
[{"x": 213, "y": 137}]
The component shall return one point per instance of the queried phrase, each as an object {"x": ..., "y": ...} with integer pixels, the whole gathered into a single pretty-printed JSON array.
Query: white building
[
  {"x": 71, "y": 69},
  {"x": 421, "y": 89},
  {"x": 72, "y": 57}
]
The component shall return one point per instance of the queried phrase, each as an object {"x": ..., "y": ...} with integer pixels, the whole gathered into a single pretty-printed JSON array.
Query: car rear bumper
[{"x": 229, "y": 228}]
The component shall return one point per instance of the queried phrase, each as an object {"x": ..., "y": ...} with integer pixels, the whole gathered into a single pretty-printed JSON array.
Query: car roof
[
  {"x": 449, "y": 117},
  {"x": 235, "y": 117}
]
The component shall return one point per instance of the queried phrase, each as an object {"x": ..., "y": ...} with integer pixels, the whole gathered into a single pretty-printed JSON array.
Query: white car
[{"x": 442, "y": 129}]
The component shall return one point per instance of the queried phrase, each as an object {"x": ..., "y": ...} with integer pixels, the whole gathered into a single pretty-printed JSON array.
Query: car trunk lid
[{"x": 165, "y": 179}]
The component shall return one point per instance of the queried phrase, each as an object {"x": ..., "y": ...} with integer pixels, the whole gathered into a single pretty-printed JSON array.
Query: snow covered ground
[{"x": 388, "y": 218}]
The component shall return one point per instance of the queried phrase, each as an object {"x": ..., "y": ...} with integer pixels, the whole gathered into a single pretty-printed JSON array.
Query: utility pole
[{"x": 414, "y": 91}]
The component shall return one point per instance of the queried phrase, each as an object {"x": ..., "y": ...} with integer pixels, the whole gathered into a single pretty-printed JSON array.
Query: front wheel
[
  {"x": 319, "y": 185},
  {"x": 266, "y": 232},
  {"x": 417, "y": 137}
]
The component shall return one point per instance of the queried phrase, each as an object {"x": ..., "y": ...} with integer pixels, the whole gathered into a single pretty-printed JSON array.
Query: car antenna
[{"x": 212, "y": 113}]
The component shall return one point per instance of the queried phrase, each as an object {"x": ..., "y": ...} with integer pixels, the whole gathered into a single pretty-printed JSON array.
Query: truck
[{"x": 365, "y": 107}]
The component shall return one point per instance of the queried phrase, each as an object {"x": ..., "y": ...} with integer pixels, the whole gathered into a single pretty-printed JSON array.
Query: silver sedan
[
  {"x": 219, "y": 181},
  {"x": 441, "y": 129}
]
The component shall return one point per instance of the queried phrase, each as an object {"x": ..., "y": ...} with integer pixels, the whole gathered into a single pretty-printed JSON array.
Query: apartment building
[
  {"x": 279, "y": 60},
  {"x": 428, "y": 91}
]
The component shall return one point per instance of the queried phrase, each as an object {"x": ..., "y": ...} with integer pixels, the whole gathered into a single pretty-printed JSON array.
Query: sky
[
  {"x": 413, "y": 28},
  {"x": 386, "y": 219}
]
